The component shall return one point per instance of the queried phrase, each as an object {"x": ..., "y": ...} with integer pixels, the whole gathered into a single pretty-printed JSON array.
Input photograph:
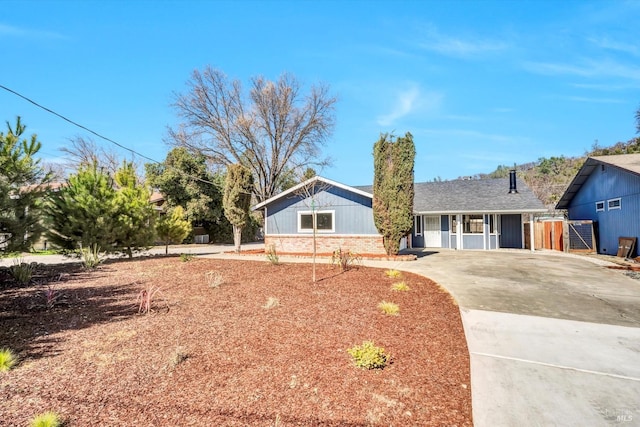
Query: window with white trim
[
  {"x": 473, "y": 224},
  {"x": 614, "y": 204},
  {"x": 600, "y": 206},
  {"x": 324, "y": 221},
  {"x": 418, "y": 225}
]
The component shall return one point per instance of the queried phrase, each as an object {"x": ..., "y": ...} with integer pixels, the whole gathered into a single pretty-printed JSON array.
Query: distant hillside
[{"x": 550, "y": 177}]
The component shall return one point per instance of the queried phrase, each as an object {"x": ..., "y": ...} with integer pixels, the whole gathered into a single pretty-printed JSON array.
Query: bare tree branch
[{"x": 272, "y": 130}]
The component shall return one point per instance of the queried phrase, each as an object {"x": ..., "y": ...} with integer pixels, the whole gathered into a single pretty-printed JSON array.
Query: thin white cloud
[
  {"x": 607, "y": 87},
  {"x": 12, "y": 31},
  {"x": 590, "y": 68},
  {"x": 593, "y": 100},
  {"x": 606, "y": 43},
  {"x": 409, "y": 101},
  {"x": 459, "y": 47}
]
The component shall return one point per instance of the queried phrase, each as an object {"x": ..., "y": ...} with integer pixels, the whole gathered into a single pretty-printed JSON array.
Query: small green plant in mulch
[
  {"x": 393, "y": 274},
  {"x": 47, "y": 419},
  {"x": 7, "y": 360},
  {"x": 214, "y": 279},
  {"x": 186, "y": 257},
  {"x": 272, "y": 256},
  {"x": 400, "y": 287},
  {"x": 272, "y": 302},
  {"x": 91, "y": 257},
  {"x": 389, "y": 308},
  {"x": 369, "y": 356},
  {"x": 345, "y": 259},
  {"x": 22, "y": 271}
]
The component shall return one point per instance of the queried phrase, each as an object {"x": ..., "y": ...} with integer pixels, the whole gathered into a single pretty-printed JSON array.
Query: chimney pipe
[{"x": 513, "y": 189}]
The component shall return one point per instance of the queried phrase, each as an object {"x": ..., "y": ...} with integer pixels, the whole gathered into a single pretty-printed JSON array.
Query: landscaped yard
[{"x": 265, "y": 348}]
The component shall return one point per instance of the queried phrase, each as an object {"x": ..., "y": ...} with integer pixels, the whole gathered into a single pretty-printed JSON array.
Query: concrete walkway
[{"x": 554, "y": 339}]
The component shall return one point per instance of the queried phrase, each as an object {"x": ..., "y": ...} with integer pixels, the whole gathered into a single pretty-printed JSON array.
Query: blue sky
[{"x": 478, "y": 83}]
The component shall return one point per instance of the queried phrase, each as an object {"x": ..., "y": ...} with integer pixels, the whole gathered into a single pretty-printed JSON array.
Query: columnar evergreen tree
[
  {"x": 22, "y": 185},
  {"x": 237, "y": 199},
  {"x": 132, "y": 212},
  {"x": 393, "y": 188},
  {"x": 172, "y": 227},
  {"x": 81, "y": 213}
]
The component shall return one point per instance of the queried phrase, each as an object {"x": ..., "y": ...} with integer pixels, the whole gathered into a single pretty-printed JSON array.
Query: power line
[{"x": 97, "y": 134}]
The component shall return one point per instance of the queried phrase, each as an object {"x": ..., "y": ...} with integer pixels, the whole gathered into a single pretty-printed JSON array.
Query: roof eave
[{"x": 309, "y": 181}]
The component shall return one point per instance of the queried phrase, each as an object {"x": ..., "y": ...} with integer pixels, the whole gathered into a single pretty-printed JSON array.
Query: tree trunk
[
  {"x": 166, "y": 248},
  {"x": 314, "y": 251},
  {"x": 237, "y": 237}
]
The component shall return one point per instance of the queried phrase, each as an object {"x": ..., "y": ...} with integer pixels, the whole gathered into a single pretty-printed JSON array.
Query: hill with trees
[{"x": 549, "y": 177}]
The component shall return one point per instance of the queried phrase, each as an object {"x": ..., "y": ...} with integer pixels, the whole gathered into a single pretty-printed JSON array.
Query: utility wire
[{"x": 97, "y": 134}]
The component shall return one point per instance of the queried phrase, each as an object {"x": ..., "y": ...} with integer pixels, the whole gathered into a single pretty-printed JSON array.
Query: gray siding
[
  {"x": 511, "y": 231},
  {"x": 472, "y": 241},
  {"x": 353, "y": 213},
  {"x": 603, "y": 184}
]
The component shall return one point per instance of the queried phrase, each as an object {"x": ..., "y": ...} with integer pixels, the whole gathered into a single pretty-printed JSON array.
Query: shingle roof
[
  {"x": 628, "y": 162},
  {"x": 469, "y": 196}
]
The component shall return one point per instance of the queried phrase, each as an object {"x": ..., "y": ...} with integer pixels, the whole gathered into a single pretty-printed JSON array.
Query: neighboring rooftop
[{"x": 628, "y": 162}]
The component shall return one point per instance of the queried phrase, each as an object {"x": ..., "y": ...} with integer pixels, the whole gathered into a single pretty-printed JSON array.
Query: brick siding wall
[{"x": 325, "y": 244}]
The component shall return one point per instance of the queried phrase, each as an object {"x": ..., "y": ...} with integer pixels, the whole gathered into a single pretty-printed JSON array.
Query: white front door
[{"x": 431, "y": 231}]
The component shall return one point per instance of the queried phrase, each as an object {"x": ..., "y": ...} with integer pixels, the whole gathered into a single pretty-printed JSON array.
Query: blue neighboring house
[
  {"x": 606, "y": 190},
  {"x": 460, "y": 214}
]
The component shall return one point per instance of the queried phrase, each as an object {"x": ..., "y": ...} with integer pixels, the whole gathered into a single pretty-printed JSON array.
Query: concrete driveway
[{"x": 554, "y": 339}]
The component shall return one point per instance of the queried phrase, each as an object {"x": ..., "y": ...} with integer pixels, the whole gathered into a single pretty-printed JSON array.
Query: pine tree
[
  {"x": 237, "y": 199},
  {"x": 172, "y": 227},
  {"x": 393, "y": 188},
  {"x": 22, "y": 185},
  {"x": 132, "y": 212},
  {"x": 81, "y": 213}
]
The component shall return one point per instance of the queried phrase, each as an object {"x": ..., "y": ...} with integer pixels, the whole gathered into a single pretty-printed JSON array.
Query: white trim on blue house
[{"x": 308, "y": 182}]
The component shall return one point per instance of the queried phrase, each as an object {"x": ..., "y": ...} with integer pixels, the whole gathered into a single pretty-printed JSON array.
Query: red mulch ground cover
[{"x": 217, "y": 356}]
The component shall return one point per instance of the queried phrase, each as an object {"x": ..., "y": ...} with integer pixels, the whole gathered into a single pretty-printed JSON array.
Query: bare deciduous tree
[
  {"x": 85, "y": 152},
  {"x": 275, "y": 129}
]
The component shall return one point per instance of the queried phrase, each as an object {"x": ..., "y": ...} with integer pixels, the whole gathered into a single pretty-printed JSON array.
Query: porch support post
[{"x": 531, "y": 232}]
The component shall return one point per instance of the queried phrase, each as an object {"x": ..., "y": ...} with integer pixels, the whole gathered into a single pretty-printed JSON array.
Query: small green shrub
[
  {"x": 345, "y": 259},
  {"x": 400, "y": 287},
  {"x": 389, "y": 308},
  {"x": 368, "y": 356},
  {"x": 272, "y": 256},
  {"x": 214, "y": 278},
  {"x": 47, "y": 419},
  {"x": 22, "y": 271},
  {"x": 7, "y": 360},
  {"x": 91, "y": 257},
  {"x": 186, "y": 257},
  {"x": 272, "y": 302},
  {"x": 393, "y": 274}
]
